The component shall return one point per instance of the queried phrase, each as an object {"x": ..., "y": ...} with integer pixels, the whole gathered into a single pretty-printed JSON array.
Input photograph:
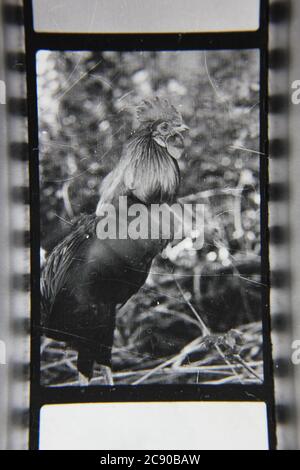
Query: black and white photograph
[{"x": 150, "y": 217}]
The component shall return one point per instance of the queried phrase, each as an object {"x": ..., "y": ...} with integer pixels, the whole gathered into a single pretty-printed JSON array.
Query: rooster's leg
[
  {"x": 107, "y": 375},
  {"x": 85, "y": 366}
]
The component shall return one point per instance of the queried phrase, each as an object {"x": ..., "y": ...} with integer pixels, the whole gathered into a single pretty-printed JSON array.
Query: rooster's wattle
[{"x": 86, "y": 275}]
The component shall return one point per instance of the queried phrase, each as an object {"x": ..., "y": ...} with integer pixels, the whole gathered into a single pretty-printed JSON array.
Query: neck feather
[{"x": 146, "y": 172}]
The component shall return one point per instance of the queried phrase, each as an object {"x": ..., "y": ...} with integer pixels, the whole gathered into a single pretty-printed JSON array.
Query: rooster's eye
[{"x": 163, "y": 128}]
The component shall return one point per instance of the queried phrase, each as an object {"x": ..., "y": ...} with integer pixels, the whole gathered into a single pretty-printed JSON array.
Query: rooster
[{"x": 87, "y": 276}]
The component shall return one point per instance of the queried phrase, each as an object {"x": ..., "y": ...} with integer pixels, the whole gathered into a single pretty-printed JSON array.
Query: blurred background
[{"x": 86, "y": 112}]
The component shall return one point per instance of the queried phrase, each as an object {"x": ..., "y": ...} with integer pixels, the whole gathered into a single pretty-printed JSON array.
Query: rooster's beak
[
  {"x": 182, "y": 128},
  {"x": 179, "y": 131}
]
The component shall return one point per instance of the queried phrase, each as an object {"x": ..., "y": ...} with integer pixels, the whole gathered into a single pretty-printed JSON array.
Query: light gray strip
[
  {"x": 295, "y": 192},
  {"x": 4, "y": 243},
  {"x": 16, "y": 217},
  {"x": 281, "y": 257},
  {"x": 142, "y": 16}
]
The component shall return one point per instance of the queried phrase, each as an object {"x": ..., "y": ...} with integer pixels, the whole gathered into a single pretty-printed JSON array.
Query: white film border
[
  {"x": 170, "y": 425},
  {"x": 151, "y": 16}
]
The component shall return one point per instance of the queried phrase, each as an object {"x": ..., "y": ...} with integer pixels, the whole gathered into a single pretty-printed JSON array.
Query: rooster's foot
[
  {"x": 107, "y": 375},
  {"x": 83, "y": 380},
  {"x": 104, "y": 377}
]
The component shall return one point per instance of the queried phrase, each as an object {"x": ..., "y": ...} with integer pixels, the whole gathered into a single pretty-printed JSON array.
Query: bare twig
[{"x": 206, "y": 331}]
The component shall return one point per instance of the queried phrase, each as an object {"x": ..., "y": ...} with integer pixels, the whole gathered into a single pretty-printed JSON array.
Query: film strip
[
  {"x": 279, "y": 222},
  {"x": 18, "y": 336},
  {"x": 19, "y": 308}
]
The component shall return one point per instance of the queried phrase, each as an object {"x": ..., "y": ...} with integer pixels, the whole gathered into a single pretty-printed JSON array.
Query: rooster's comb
[{"x": 158, "y": 109}]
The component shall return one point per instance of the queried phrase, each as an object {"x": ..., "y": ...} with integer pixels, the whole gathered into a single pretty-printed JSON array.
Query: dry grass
[{"x": 198, "y": 362}]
